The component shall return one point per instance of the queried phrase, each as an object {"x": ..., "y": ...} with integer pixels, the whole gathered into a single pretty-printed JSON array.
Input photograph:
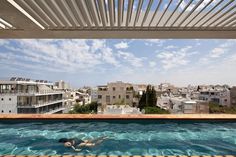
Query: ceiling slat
[
  {"x": 129, "y": 12},
  {"x": 120, "y": 12},
  {"x": 168, "y": 19},
  {"x": 190, "y": 13},
  {"x": 216, "y": 13},
  {"x": 36, "y": 16},
  {"x": 163, "y": 14},
  {"x": 185, "y": 8},
  {"x": 222, "y": 15},
  {"x": 146, "y": 12},
  {"x": 76, "y": 12},
  {"x": 111, "y": 8},
  {"x": 102, "y": 9},
  {"x": 207, "y": 13},
  {"x": 156, "y": 11},
  {"x": 199, "y": 13}
]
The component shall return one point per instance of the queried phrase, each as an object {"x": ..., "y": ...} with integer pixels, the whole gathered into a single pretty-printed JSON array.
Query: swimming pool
[{"x": 133, "y": 137}]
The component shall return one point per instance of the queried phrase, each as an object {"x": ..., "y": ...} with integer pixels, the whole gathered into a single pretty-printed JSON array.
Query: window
[
  {"x": 127, "y": 96},
  {"x": 9, "y": 99},
  {"x": 99, "y": 96},
  {"x": 119, "y": 96},
  {"x": 108, "y": 98},
  {"x": 114, "y": 88},
  {"x": 2, "y": 99},
  {"x": 2, "y": 111},
  {"x": 9, "y": 111},
  {"x": 114, "y": 97}
]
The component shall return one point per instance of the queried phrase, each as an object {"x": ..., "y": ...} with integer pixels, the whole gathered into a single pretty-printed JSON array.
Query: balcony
[{"x": 20, "y": 105}]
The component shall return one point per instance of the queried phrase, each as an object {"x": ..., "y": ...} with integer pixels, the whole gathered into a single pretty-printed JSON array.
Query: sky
[{"x": 95, "y": 62}]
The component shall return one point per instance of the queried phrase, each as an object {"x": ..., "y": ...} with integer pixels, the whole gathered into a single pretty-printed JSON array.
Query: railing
[
  {"x": 20, "y": 105},
  {"x": 22, "y": 93}
]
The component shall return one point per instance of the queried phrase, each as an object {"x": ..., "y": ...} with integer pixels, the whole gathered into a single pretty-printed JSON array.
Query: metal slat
[
  {"x": 199, "y": 12},
  {"x": 4, "y": 22},
  {"x": 146, "y": 12},
  {"x": 44, "y": 5},
  {"x": 91, "y": 9},
  {"x": 129, "y": 12},
  {"x": 29, "y": 10},
  {"x": 208, "y": 13},
  {"x": 223, "y": 16},
  {"x": 232, "y": 25},
  {"x": 185, "y": 8},
  {"x": 68, "y": 13},
  {"x": 154, "y": 14},
  {"x": 120, "y": 12},
  {"x": 111, "y": 6},
  {"x": 173, "y": 12},
  {"x": 226, "y": 23},
  {"x": 3, "y": 26},
  {"x": 163, "y": 14},
  {"x": 60, "y": 13},
  {"x": 41, "y": 12},
  {"x": 137, "y": 13},
  {"x": 211, "y": 17},
  {"x": 190, "y": 13},
  {"x": 102, "y": 9},
  {"x": 82, "y": 7},
  {"x": 76, "y": 12}
]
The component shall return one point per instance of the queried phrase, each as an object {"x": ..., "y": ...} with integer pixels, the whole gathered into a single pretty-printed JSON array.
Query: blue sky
[{"x": 96, "y": 62}]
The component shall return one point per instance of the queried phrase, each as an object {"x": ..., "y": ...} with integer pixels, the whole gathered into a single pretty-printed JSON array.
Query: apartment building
[
  {"x": 21, "y": 95},
  {"x": 186, "y": 106},
  {"x": 61, "y": 85},
  {"x": 233, "y": 96},
  {"x": 218, "y": 95},
  {"x": 115, "y": 93},
  {"x": 94, "y": 94}
]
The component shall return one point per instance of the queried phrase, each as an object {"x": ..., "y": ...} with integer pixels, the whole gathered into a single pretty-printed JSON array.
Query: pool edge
[{"x": 119, "y": 117}]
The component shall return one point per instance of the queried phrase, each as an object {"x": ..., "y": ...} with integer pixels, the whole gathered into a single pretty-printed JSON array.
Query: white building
[
  {"x": 119, "y": 109},
  {"x": 21, "y": 95},
  {"x": 220, "y": 96}
]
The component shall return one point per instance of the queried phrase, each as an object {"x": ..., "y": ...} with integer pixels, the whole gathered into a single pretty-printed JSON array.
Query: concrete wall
[{"x": 8, "y": 104}]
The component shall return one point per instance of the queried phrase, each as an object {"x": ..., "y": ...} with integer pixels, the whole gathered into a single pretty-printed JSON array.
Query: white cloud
[
  {"x": 170, "y": 47},
  {"x": 152, "y": 64},
  {"x": 130, "y": 58},
  {"x": 172, "y": 59},
  {"x": 122, "y": 45},
  {"x": 63, "y": 55},
  {"x": 217, "y": 52},
  {"x": 151, "y": 42}
]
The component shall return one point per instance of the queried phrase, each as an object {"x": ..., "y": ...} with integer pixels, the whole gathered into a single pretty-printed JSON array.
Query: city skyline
[{"x": 95, "y": 62}]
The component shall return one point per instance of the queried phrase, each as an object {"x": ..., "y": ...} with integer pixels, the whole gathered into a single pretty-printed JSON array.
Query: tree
[
  {"x": 148, "y": 98},
  {"x": 155, "y": 110},
  {"x": 84, "y": 109}
]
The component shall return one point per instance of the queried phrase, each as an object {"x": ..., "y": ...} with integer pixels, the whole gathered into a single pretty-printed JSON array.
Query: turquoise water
[{"x": 125, "y": 138}]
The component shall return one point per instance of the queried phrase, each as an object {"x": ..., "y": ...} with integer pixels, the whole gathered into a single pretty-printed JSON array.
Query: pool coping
[
  {"x": 114, "y": 156},
  {"x": 119, "y": 117}
]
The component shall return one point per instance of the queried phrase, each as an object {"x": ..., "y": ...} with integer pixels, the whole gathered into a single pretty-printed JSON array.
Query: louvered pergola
[{"x": 118, "y": 19}]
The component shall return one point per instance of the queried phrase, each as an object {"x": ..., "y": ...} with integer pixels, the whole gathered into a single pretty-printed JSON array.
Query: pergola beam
[{"x": 129, "y": 34}]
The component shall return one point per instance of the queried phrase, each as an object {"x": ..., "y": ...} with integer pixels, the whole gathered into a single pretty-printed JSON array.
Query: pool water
[{"x": 125, "y": 138}]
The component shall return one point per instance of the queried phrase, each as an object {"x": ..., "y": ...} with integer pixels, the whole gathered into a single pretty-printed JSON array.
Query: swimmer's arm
[
  {"x": 87, "y": 144},
  {"x": 77, "y": 150}
]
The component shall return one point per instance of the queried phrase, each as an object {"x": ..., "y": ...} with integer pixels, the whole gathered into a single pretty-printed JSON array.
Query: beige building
[
  {"x": 233, "y": 96},
  {"x": 116, "y": 93}
]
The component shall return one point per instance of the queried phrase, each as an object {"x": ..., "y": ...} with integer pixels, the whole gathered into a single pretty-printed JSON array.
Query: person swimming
[{"x": 75, "y": 143}]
